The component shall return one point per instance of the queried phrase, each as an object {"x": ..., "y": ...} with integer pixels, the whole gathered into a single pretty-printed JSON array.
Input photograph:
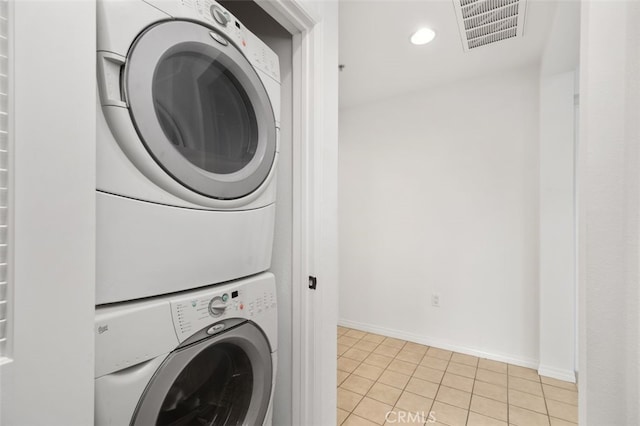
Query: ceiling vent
[{"x": 483, "y": 22}]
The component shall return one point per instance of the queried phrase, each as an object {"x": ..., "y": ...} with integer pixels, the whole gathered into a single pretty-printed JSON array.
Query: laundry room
[{"x": 293, "y": 212}]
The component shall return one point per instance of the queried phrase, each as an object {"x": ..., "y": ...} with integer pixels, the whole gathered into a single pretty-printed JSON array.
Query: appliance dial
[
  {"x": 217, "y": 306},
  {"x": 221, "y": 16}
]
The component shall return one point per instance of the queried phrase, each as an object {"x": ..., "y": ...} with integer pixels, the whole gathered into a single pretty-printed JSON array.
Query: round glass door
[
  {"x": 215, "y": 388},
  {"x": 224, "y": 380},
  {"x": 200, "y": 109},
  {"x": 205, "y": 113}
]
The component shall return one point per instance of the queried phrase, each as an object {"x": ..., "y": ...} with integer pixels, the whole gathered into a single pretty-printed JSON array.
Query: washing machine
[
  {"x": 200, "y": 357},
  {"x": 187, "y": 148}
]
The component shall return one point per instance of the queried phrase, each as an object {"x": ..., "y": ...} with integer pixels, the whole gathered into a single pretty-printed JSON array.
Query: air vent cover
[{"x": 483, "y": 22}]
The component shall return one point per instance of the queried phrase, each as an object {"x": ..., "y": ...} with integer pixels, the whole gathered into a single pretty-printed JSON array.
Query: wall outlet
[{"x": 435, "y": 300}]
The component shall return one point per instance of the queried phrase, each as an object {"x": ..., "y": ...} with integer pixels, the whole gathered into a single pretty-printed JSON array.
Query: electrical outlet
[{"x": 435, "y": 300}]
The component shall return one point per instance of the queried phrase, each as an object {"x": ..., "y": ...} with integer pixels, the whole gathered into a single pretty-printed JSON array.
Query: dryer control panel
[
  {"x": 216, "y": 16},
  {"x": 253, "y": 48},
  {"x": 253, "y": 299}
]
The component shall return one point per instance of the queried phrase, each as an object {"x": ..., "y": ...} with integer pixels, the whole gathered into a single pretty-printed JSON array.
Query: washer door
[
  {"x": 200, "y": 109},
  {"x": 222, "y": 380}
]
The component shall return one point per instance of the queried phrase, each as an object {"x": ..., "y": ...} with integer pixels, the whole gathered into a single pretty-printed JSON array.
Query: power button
[{"x": 217, "y": 37}]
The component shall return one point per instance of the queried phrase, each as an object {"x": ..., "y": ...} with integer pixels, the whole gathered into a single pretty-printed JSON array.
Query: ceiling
[{"x": 381, "y": 63}]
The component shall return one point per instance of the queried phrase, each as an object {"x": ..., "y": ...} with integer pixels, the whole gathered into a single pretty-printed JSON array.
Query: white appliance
[
  {"x": 199, "y": 357},
  {"x": 187, "y": 147}
]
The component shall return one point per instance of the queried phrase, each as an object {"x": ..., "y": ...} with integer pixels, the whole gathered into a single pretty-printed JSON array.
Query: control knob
[
  {"x": 217, "y": 306},
  {"x": 220, "y": 15}
]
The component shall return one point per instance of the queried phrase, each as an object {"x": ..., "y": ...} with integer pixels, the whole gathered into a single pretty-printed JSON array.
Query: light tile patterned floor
[{"x": 387, "y": 381}]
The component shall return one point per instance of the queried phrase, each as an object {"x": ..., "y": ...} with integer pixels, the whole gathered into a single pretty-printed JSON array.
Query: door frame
[{"x": 314, "y": 312}]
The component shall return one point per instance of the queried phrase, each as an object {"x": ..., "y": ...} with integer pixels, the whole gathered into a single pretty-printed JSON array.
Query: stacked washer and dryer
[{"x": 187, "y": 147}]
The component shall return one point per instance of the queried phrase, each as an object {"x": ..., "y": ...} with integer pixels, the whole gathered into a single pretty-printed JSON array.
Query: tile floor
[{"x": 387, "y": 381}]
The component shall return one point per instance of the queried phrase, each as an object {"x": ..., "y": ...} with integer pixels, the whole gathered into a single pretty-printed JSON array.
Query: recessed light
[{"x": 423, "y": 36}]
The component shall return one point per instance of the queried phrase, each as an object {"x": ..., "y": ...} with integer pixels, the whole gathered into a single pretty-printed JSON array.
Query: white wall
[
  {"x": 439, "y": 194},
  {"x": 562, "y": 48},
  {"x": 610, "y": 214},
  {"x": 557, "y": 227},
  {"x": 50, "y": 381},
  {"x": 557, "y": 194}
]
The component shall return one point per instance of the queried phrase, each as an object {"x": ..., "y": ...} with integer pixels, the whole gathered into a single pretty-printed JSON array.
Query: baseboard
[
  {"x": 557, "y": 373},
  {"x": 425, "y": 340}
]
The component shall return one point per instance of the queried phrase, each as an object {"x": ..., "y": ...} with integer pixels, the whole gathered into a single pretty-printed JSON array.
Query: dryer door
[
  {"x": 222, "y": 380},
  {"x": 200, "y": 109}
]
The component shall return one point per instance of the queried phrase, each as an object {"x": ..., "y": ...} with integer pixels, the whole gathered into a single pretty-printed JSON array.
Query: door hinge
[{"x": 313, "y": 281}]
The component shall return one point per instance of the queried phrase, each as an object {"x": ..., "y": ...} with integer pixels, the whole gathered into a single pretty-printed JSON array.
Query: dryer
[
  {"x": 200, "y": 357},
  {"x": 187, "y": 148}
]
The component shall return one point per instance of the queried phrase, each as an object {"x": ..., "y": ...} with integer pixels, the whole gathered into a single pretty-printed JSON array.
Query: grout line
[
  {"x": 439, "y": 384},
  {"x": 472, "y": 388},
  {"x": 508, "y": 405},
  {"x": 544, "y": 398},
  {"x": 393, "y": 358},
  {"x": 363, "y": 362}
]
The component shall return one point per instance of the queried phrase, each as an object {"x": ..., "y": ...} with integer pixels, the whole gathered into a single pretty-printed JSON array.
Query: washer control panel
[{"x": 198, "y": 310}]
